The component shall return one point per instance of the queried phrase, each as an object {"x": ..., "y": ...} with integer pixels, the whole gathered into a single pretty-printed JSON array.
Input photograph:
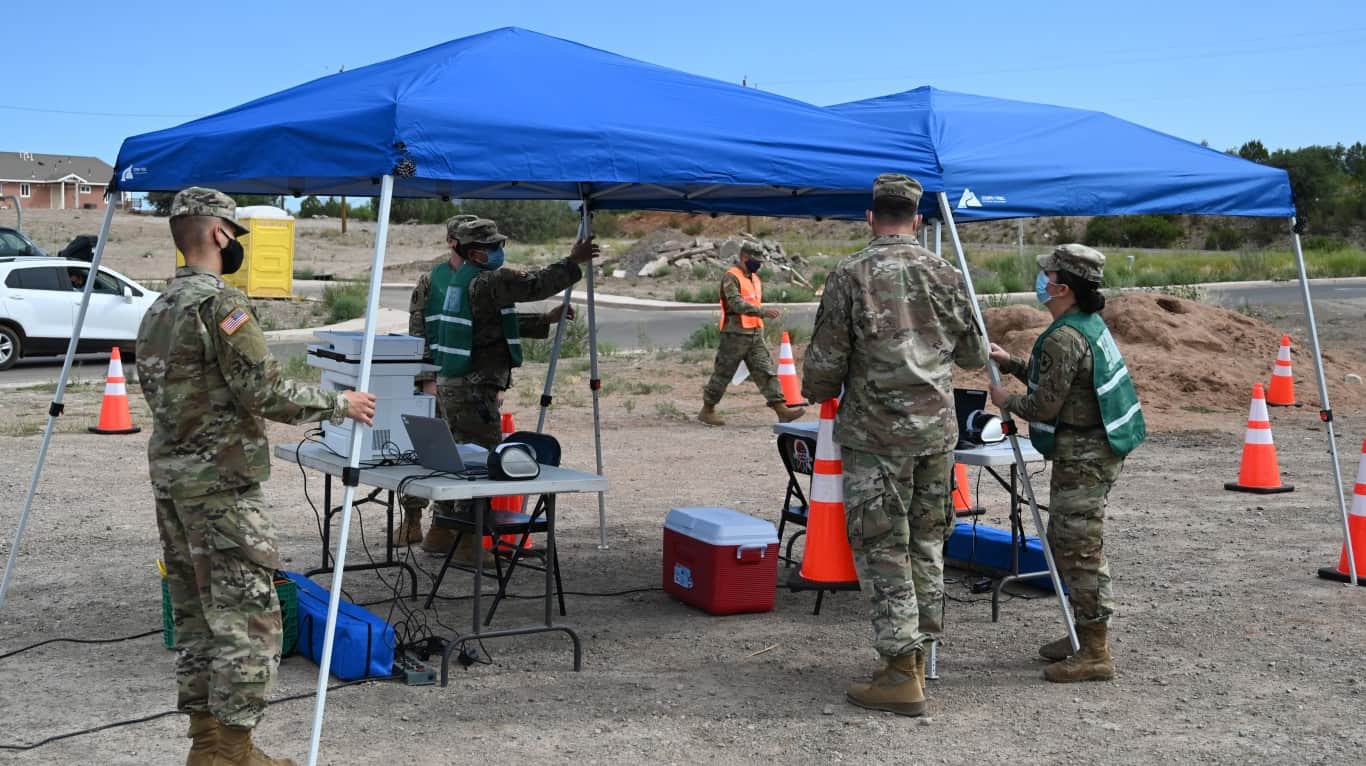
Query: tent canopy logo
[{"x": 968, "y": 199}]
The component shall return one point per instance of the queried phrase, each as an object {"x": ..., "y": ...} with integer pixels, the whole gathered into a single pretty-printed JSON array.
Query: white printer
[{"x": 397, "y": 360}]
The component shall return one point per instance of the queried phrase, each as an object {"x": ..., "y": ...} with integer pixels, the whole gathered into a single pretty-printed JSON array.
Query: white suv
[{"x": 39, "y": 299}]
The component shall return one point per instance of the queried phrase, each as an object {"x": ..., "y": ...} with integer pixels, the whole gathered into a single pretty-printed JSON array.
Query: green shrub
[
  {"x": 575, "y": 343},
  {"x": 693, "y": 228},
  {"x": 1322, "y": 243},
  {"x": 1224, "y": 238},
  {"x": 1133, "y": 231},
  {"x": 345, "y": 300},
  {"x": 702, "y": 271},
  {"x": 296, "y": 367},
  {"x": 706, "y": 336},
  {"x": 789, "y": 294}
]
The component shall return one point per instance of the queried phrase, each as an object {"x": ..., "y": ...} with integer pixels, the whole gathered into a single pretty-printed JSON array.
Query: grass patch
[
  {"x": 1198, "y": 408},
  {"x": 344, "y": 301},
  {"x": 669, "y": 411},
  {"x": 706, "y": 336},
  {"x": 634, "y": 388},
  {"x": 304, "y": 272},
  {"x": 703, "y": 294},
  {"x": 575, "y": 344}
]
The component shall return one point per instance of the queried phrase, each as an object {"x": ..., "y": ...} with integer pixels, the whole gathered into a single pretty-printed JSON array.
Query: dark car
[{"x": 14, "y": 243}]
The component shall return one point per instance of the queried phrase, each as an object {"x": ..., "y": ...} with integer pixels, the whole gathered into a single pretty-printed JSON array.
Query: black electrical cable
[
  {"x": 163, "y": 714},
  {"x": 7, "y": 655}
]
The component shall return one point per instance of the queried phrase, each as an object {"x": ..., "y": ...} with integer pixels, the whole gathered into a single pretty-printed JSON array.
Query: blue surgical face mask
[
  {"x": 494, "y": 260},
  {"x": 1041, "y": 288}
]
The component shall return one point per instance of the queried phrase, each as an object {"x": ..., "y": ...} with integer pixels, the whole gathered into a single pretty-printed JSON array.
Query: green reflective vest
[
  {"x": 450, "y": 321},
  {"x": 1119, "y": 406}
]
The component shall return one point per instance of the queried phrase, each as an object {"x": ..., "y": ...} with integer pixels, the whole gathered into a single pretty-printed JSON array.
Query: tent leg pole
[
  {"x": 546, "y": 393},
  {"x": 939, "y": 238},
  {"x": 595, "y": 379},
  {"x": 1326, "y": 411},
  {"x": 353, "y": 462},
  {"x": 55, "y": 410},
  {"x": 995, "y": 376}
]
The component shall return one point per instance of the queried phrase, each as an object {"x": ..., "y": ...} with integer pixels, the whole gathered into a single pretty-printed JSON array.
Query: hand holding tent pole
[
  {"x": 353, "y": 465},
  {"x": 995, "y": 377}
]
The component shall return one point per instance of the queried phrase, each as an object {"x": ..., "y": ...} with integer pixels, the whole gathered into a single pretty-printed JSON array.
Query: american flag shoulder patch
[{"x": 234, "y": 321}]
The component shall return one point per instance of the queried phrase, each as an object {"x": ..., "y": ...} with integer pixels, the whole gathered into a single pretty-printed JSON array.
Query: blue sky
[{"x": 90, "y": 74}]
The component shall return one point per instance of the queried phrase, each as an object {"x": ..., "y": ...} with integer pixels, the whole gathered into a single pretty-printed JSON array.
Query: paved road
[{"x": 635, "y": 329}]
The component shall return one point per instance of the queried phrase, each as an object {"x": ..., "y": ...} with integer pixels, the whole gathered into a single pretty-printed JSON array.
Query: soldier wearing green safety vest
[
  {"x": 466, "y": 309},
  {"x": 1084, "y": 415}
]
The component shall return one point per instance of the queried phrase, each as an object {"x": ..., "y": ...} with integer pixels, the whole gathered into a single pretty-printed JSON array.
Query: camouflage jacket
[
  {"x": 489, "y": 293},
  {"x": 209, "y": 379},
  {"x": 893, "y": 320},
  {"x": 736, "y": 306},
  {"x": 1065, "y": 390}
]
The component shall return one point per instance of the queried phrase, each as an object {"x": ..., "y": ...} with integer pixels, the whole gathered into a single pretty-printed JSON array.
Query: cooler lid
[{"x": 721, "y": 526}]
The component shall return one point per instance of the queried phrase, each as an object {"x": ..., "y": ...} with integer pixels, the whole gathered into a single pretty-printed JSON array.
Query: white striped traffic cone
[
  {"x": 828, "y": 557},
  {"x": 114, "y": 415},
  {"x": 1282, "y": 391},
  {"x": 787, "y": 374},
  {"x": 1356, "y": 530},
  {"x": 1260, "y": 473}
]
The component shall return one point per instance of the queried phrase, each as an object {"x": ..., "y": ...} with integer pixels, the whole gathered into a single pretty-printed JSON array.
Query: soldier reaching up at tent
[
  {"x": 742, "y": 339},
  {"x": 209, "y": 379},
  {"x": 473, "y": 332},
  {"x": 893, "y": 321},
  {"x": 1084, "y": 415}
]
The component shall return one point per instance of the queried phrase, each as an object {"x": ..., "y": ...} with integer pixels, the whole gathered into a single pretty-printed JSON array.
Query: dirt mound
[{"x": 1186, "y": 356}]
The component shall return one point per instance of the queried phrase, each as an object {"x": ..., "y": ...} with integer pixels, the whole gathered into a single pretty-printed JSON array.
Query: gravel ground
[{"x": 1228, "y": 648}]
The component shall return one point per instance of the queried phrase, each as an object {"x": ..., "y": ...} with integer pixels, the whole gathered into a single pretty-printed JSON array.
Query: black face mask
[
  {"x": 232, "y": 256},
  {"x": 753, "y": 265}
]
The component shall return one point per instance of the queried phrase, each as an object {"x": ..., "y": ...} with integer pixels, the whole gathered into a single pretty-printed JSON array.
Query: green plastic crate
[{"x": 285, "y": 589}]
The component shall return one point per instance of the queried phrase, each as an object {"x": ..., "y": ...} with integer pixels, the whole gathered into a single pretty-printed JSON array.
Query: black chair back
[{"x": 546, "y": 447}]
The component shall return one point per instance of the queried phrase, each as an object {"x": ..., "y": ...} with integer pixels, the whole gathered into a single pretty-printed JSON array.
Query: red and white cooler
[{"x": 720, "y": 561}]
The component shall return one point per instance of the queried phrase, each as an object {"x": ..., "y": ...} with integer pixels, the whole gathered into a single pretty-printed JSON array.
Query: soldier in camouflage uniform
[
  {"x": 1084, "y": 415},
  {"x": 742, "y": 339},
  {"x": 893, "y": 320},
  {"x": 209, "y": 380},
  {"x": 467, "y": 308},
  {"x": 411, "y": 531}
]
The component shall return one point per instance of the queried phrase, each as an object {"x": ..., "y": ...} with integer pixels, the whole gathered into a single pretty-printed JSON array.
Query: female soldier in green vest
[{"x": 1084, "y": 415}]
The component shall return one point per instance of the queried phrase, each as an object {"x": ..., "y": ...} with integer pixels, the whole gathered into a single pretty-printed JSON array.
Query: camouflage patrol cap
[
  {"x": 197, "y": 200},
  {"x": 480, "y": 231},
  {"x": 897, "y": 186},
  {"x": 753, "y": 247},
  {"x": 1086, "y": 262},
  {"x": 453, "y": 223}
]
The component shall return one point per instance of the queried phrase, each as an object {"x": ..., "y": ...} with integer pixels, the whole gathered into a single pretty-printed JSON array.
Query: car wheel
[{"x": 11, "y": 347}]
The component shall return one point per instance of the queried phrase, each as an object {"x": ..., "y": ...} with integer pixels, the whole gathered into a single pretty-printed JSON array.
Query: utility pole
[{"x": 343, "y": 199}]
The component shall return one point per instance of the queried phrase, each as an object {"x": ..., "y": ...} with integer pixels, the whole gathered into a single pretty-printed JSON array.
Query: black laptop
[{"x": 435, "y": 447}]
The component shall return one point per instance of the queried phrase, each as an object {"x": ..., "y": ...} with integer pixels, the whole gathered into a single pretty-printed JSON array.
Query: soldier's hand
[
  {"x": 999, "y": 355},
  {"x": 584, "y": 251},
  {"x": 360, "y": 407},
  {"x": 771, "y": 313},
  {"x": 998, "y": 395},
  {"x": 429, "y": 387},
  {"x": 553, "y": 316}
]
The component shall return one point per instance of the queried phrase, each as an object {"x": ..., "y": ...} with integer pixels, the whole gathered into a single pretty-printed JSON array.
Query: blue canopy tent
[
  {"x": 511, "y": 114},
  {"x": 1013, "y": 159}
]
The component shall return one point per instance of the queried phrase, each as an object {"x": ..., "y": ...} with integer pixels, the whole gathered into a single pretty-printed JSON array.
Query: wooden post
[{"x": 343, "y": 200}]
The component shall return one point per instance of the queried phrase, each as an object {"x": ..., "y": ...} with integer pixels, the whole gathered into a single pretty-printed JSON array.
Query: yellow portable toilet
[{"x": 268, "y": 266}]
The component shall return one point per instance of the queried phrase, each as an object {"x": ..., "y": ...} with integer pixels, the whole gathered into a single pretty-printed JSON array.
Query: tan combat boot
[
  {"x": 438, "y": 540},
  {"x": 410, "y": 531},
  {"x": 1092, "y": 663},
  {"x": 708, "y": 415},
  {"x": 1056, "y": 651},
  {"x": 235, "y": 749},
  {"x": 204, "y": 736},
  {"x": 895, "y": 689},
  {"x": 469, "y": 551},
  {"x": 787, "y": 414}
]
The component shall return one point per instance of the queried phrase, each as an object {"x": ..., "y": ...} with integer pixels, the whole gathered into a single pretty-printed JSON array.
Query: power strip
[{"x": 416, "y": 672}]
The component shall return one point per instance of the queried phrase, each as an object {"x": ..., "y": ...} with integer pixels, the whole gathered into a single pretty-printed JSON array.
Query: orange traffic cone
[
  {"x": 1356, "y": 529},
  {"x": 828, "y": 562},
  {"x": 114, "y": 415},
  {"x": 962, "y": 495},
  {"x": 1282, "y": 391},
  {"x": 787, "y": 374},
  {"x": 506, "y": 502},
  {"x": 1260, "y": 472}
]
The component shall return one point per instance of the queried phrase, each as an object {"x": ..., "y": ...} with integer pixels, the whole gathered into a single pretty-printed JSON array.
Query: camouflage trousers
[
  {"x": 898, "y": 513},
  {"x": 1076, "y": 518},
  {"x": 220, "y": 563},
  {"x": 474, "y": 416},
  {"x": 749, "y": 348}
]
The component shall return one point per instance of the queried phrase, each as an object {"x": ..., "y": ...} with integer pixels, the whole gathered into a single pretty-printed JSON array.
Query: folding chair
[
  {"x": 798, "y": 454},
  {"x": 500, "y": 523}
]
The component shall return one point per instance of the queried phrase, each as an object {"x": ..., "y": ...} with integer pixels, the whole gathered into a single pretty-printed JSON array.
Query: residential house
[{"x": 53, "y": 181}]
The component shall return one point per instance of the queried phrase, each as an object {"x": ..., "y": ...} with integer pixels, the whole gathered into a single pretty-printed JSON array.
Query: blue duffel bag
[{"x": 364, "y": 644}]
